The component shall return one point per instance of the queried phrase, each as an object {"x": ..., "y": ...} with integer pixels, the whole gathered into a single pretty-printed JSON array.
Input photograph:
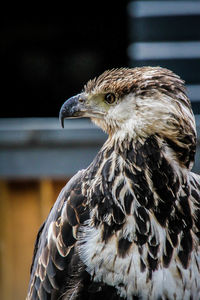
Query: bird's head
[{"x": 136, "y": 103}]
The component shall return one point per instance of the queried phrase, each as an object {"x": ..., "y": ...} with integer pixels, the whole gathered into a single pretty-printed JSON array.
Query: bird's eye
[{"x": 110, "y": 98}]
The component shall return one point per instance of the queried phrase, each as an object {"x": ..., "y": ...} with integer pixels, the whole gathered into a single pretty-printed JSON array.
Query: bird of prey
[{"x": 128, "y": 226}]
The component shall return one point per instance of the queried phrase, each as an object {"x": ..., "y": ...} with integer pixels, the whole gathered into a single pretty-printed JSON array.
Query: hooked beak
[{"x": 72, "y": 108}]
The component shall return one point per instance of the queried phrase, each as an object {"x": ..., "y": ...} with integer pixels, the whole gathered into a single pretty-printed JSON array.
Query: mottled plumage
[{"x": 127, "y": 227}]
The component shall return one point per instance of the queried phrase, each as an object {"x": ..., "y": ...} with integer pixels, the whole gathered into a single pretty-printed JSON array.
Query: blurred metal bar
[
  {"x": 36, "y": 148},
  {"x": 143, "y": 9},
  {"x": 193, "y": 92},
  {"x": 43, "y": 123},
  {"x": 164, "y": 50}
]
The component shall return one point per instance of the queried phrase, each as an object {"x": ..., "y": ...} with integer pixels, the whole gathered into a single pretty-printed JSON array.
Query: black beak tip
[
  {"x": 62, "y": 122},
  {"x": 61, "y": 118},
  {"x": 69, "y": 109}
]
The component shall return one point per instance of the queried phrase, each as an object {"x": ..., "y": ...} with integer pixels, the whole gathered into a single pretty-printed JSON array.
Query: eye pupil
[{"x": 110, "y": 98}]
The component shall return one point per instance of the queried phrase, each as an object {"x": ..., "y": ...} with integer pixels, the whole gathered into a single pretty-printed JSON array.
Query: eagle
[{"x": 128, "y": 226}]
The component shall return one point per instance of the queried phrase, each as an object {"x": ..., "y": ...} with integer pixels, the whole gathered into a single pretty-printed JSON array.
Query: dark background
[{"x": 46, "y": 58}]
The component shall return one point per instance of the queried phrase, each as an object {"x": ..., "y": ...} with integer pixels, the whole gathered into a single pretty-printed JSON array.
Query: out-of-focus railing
[{"x": 36, "y": 148}]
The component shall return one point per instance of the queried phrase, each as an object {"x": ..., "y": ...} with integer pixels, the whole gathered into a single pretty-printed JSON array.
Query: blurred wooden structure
[{"x": 24, "y": 205}]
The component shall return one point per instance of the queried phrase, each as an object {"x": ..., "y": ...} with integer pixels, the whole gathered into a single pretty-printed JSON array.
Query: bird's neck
[
  {"x": 134, "y": 174},
  {"x": 141, "y": 153}
]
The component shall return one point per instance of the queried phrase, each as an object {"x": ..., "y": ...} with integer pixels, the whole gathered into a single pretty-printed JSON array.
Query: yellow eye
[{"x": 110, "y": 98}]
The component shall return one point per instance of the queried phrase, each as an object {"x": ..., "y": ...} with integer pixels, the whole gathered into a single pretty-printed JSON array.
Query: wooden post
[
  {"x": 46, "y": 198},
  {"x": 6, "y": 249}
]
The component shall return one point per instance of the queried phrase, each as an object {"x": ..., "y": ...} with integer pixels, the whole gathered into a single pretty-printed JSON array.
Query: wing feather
[{"x": 55, "y": 242}]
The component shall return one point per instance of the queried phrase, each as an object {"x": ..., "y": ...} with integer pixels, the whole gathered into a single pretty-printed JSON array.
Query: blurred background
[{"x": 47, "y": 58}]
